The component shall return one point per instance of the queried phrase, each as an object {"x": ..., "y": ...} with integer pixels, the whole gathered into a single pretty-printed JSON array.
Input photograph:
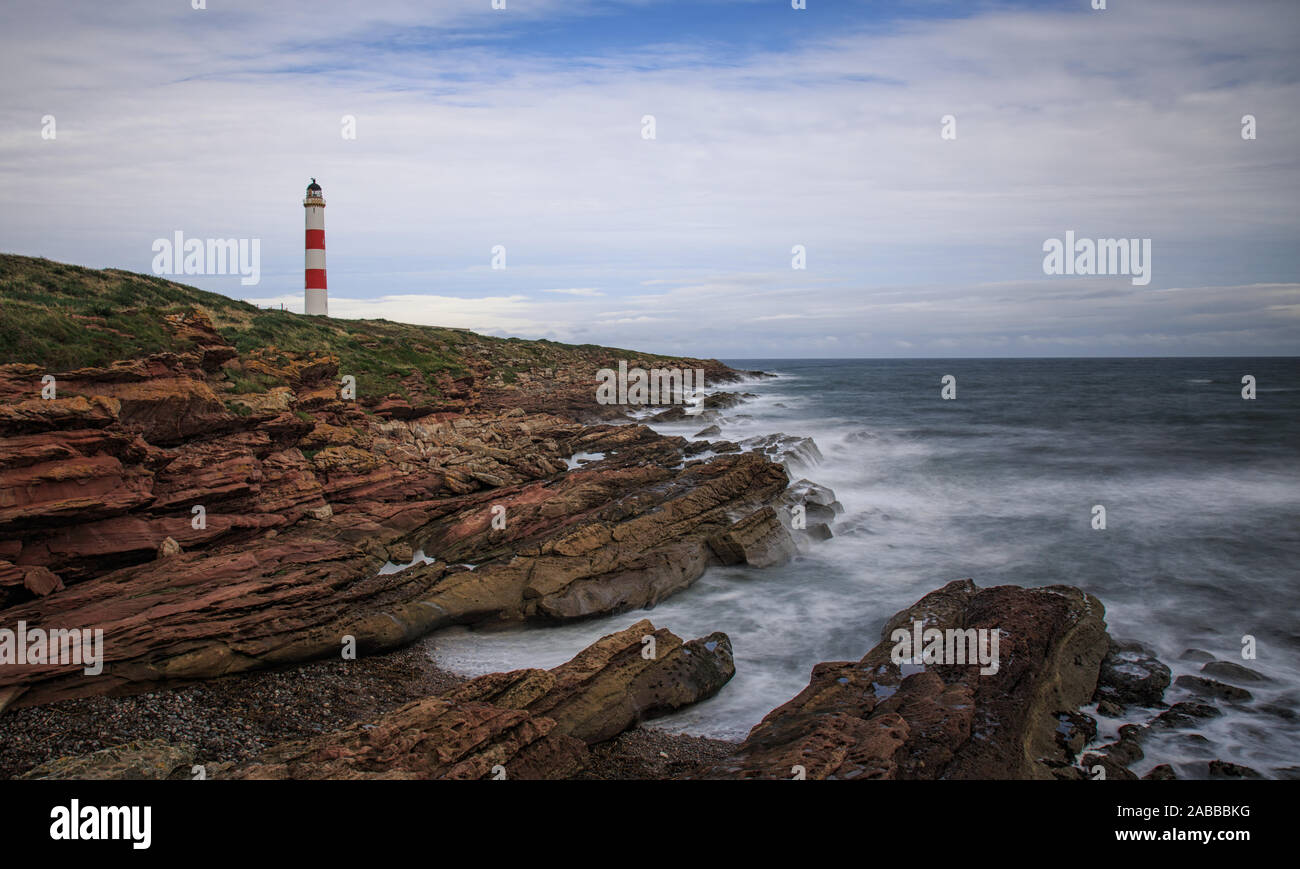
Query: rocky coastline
[{"x": 252, "y": 557}]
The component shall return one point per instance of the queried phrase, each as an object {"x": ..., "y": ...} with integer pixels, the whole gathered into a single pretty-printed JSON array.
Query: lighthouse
[{"x": 317, "y": 300}]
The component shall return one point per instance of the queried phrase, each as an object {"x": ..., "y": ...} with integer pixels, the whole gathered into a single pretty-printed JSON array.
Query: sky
[{"x": 523, "y": 128}]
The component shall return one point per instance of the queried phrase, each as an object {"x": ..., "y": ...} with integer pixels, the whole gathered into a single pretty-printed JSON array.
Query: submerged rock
[
  {"x": 1109, "y": 708},
  {"x": 1161, "y": 772},
  {"x": 1132, "y": 676},
  {"x": 1223, "y": 769},
  {"x": 1233, "y": 672},
  {"x": 710, "y": 406},
  {"x": 1212, "y": 688},
  {"x": 1185, "y": 714},
  {"x": 1074, "y": 731},
  {"x": 818, "y": 531},
  {"x": 1115, "y": 759},
  {"x": 1126, "y": 750}
]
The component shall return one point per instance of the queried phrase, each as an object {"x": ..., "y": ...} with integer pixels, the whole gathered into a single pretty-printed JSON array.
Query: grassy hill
[{"x": 64, "y": 317}]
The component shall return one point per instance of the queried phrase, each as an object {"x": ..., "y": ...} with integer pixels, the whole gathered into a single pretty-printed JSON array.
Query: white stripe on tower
[{"x": 317, "y": 300}]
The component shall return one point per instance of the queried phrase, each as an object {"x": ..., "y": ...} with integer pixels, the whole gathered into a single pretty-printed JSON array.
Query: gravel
[
  {"x": 644, "y": 753},
  {"x": 235, "y": 718},
  {"x": 228, "y": 719}
]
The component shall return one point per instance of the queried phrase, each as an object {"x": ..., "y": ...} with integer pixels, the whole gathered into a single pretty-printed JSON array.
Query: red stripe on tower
[{"x": 316, "y": 300}]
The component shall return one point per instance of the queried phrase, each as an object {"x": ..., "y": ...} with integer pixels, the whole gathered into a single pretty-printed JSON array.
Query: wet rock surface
[
  {"x": 1231, "y": 671},
  {"x": 1132, "y": 675},
  {"x": 1185, "y": 714},
  {"x": 792, "y": 451},
  {"x": 1196, "y": 701},
  {"x": 877, "y": 719},
  {"x": 1212, "y": 688},
  {"x": 758, "y": 539},
  {"x": 1115, "y": 759},
  {"x": 1223, "y": 769}
]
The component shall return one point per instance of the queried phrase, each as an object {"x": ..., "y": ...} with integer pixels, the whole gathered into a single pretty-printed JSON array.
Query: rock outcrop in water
[
  {"x": 1134, "y": 684},
  {"x": 876, "y": 719},
  {"x": 1131, "y": 675}
]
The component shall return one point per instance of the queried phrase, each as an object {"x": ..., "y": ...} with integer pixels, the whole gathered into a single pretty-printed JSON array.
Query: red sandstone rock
[
  {"x": 41, "y": 582},
  {"x": 870, "y": 719},
  {"x": 526, "y": 724},
  {"x": 280, "y": 514},
  {"x": 428, "y": 739}
]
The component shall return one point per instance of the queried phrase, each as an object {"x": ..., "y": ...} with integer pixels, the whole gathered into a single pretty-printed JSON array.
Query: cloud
[
  {"x": 578, "y": 291},
  {"x": 1117, "y": 124},
  {"x": 1049, "y": 317}
]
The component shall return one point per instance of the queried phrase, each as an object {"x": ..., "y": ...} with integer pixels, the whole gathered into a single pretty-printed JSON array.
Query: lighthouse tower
[{"x": 317, "y": 301}]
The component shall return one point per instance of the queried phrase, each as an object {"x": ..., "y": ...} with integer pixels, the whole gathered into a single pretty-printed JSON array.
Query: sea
[{"x": 1000, "y": 483}]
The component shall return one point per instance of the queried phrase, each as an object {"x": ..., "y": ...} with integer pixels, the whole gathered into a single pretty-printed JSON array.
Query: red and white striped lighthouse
[{"x": 317, "y": 301}]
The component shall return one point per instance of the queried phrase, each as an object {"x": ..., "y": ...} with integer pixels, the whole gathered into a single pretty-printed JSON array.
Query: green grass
[
  {"x": 255, "y": 382},
  {"x": 63, "y": 317}
]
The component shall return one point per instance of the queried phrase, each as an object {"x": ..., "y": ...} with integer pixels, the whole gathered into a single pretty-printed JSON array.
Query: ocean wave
[{"x": 1197, "y": 551}]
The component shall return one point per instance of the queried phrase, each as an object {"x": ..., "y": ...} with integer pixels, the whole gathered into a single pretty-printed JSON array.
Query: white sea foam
[{"x": 1196, "y": 554}]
